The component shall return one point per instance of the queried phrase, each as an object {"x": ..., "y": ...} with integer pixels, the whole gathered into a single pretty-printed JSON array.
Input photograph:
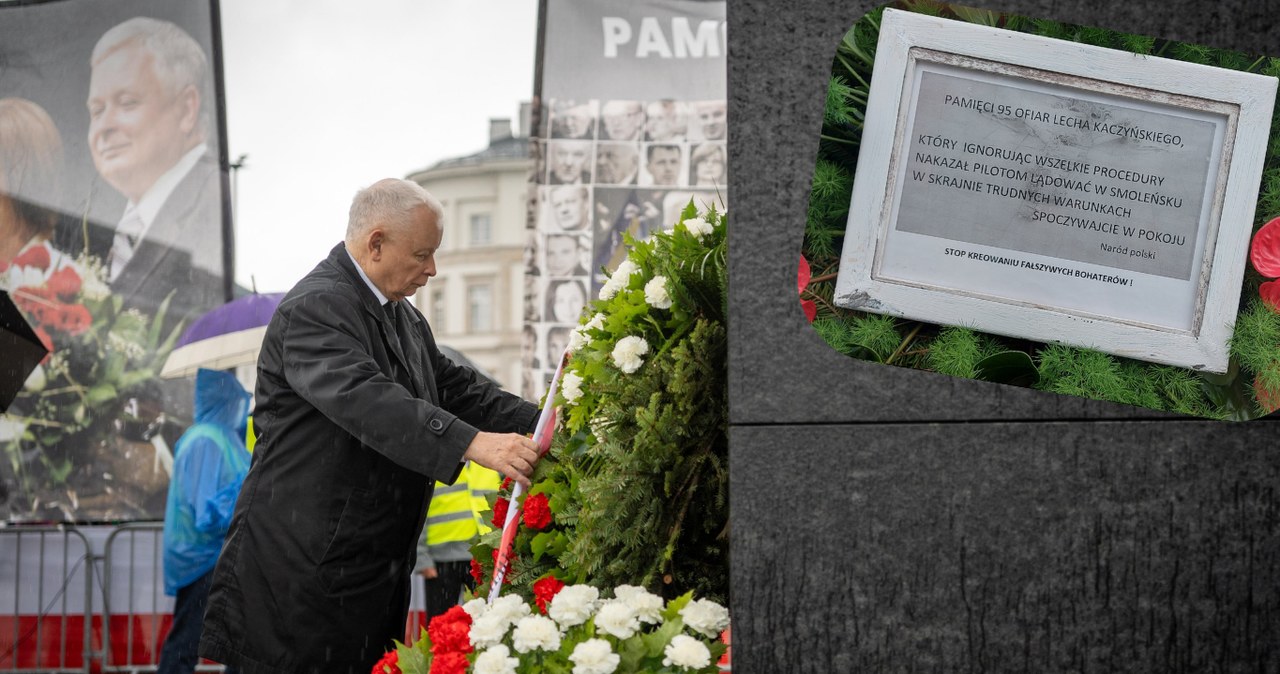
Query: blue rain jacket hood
[{"x": 209, "y": 465}]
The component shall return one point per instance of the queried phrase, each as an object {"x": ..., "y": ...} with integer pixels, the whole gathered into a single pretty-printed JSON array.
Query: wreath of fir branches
[{"x": 961, "y": 352}]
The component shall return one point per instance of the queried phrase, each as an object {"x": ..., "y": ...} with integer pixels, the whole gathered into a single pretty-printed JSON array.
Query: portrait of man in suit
[{"x": 149, "y": 139}]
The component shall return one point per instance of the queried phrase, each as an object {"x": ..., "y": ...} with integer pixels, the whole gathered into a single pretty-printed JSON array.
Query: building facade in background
[{"x": 476, "y": 302}]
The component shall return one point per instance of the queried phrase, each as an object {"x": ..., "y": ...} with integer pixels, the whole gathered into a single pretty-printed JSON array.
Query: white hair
[
  {"x": 179, "y": 60},
  {"x": 387, "y": 202}
]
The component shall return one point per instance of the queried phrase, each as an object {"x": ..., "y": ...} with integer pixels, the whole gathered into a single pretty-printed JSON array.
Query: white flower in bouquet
[
  {"x": 489, "y": 629},
  {"x": 617, "y": 619},
  {"x": 594, "y": 656},
  {"x": 510, "y": 607},
  {"x": 697, "y": 227},
  {"x": 598, "y": 428},
  {"x": 655, "y": 293},
  {"x": 476, "y": 607},
  {"x": 596, "y": 323},
  {"x": 705, "y": 617},
  {"x": 578, "y": 339},
  {"x": 618, "y": 280},
  {"x": 573, "y": 605},
  {"x": 686, "y": 652},
  {"x": 571, "y": 387},
  {"x": 647, "y": 605},
  {"x": 536, "y": 632},
  {"x": 496, "y": 660},
  {"x": 627, "y": 353}
]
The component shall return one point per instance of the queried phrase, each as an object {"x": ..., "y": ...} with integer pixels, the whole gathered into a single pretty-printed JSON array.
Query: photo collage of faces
[{"x": 604, "y": 168}]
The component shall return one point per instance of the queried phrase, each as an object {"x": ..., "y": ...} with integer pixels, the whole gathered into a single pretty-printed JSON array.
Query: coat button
[{"x": 436, "y": 425}]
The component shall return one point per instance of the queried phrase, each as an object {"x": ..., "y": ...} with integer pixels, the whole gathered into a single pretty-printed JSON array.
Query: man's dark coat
[{"x": 314, "y": 575}]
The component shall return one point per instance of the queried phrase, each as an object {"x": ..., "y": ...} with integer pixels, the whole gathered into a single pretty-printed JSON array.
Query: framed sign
[{"x": 1049, "y": 190}]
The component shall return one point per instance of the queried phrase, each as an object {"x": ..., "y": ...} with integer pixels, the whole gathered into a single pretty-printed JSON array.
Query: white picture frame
[{"x": 1074, "y": 194}]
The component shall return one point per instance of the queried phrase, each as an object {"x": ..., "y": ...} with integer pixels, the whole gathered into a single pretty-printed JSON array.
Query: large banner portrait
[
  {"x": 113, "y": 238},
  {"x": 631, "y": 125}
]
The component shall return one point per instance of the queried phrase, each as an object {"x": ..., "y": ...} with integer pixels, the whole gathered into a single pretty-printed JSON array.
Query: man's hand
[
  {"x": 511, "y": 454},
  {"x": 429, "y": 572}
]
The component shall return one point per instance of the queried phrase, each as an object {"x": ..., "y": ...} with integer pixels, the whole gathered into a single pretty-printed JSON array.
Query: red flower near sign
[
  {"x": 1264, "y": 253},
  {"x": 500, "y": 512},
  {"x": 537, "y": 512},
  {"x": 477, "y": 572},
  {"x": 809, "y": 307},
  {"x": 64, "y": 283},
  {"x": 544, "y": 590},
  {"x": 449, "y": 663}
]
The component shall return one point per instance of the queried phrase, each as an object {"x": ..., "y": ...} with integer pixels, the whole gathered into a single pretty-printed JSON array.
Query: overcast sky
[{"x": 327, "y": 96}]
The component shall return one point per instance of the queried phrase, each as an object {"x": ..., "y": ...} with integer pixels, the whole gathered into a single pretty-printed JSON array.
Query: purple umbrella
[{"x": 225, "y": 337}]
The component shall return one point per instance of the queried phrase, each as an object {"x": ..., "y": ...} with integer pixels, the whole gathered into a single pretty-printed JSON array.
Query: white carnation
[
  {"x": 647, "y": 605},
  {"x": 628, "y": 352},
  {"x": 618, "y": 280},
  {"x": 536, "y": 632},
  {"x": 510, "y": 606},
  {"x": 573, "y": 605},
  {"x": 476, "y": 608},
  {"x": 618, "y": 619},
  {"x": 686, "y": 652},
  {"x": 655, "y": 293},
  {"x": 596, "y": 323},
  {"x": 697, "y": 227},
  {"x": 495, "y": 660},
  {"x": 578, "y": 339},
  {"x": 705, "y": 617},
  {"x": 488, "y": 630},
  {"x": 571, "y": 386},
  {"x": 594, "y": 656}
]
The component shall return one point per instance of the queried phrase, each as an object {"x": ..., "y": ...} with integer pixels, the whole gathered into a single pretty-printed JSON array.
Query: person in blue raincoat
[{"x": 209, "y": 465}]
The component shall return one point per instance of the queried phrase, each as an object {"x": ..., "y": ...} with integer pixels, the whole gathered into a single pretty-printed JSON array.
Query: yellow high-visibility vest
[{"x": 459, "y": 512}]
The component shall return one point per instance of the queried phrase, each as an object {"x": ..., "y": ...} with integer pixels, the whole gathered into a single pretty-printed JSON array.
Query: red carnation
[
  {"x": 389, "y": 664},
  {"x": 537, "y": 512},
  {"x": 35, "y": 256},
  {"x": 450, "y": 632},
  {"x": 809, "y": 307},
  {"x": 65, "y": 282},
  {"x": 477, "y": 572},
  {"x": 500, "y": 512},
  {"x": 546, "y": 589},
  {"x": 452, "y": 662},
  {"x": 506, "y": 484},
  {"x": 73, "y": 319}
]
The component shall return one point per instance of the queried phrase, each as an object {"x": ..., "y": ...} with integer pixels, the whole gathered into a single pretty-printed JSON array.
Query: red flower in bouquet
[
  {"x": 64, "y": 283},
  {"x": 500, "y": 512},
  {"x": 35, "y": 256},
  {"x": 809, "y": 307},
  {"x": 389, "y": 664},
  {"x": 450, "y": 632},
  {"x": 449, "y": 663},
  {"x": 477, "y": 572},
  {"x": 544, "y": 590},
  {"x": 537, "y": 512}
]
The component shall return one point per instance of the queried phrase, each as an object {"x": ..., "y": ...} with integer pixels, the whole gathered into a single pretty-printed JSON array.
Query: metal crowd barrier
[{"x": 44, "y": 611}]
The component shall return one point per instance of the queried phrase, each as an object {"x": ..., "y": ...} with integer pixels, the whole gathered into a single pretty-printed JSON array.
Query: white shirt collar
[
  {"x": 382, "y": 299},
  {"x": 148, "y": 207}
]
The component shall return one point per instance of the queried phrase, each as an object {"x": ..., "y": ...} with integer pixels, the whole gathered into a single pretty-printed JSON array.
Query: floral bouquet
[
  {"x": 635, "y": 487},
  {"x": 572, "y": 631},
  {"x": 99, "y": 356}
]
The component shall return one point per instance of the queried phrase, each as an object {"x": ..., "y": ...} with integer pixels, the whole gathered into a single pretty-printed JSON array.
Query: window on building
[
  {"x": 437, "y": 311},
  {"x": 480, "y": 307},
  {"x": 481, "y": 229}
]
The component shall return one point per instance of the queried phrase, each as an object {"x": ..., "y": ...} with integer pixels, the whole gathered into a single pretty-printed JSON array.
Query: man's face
[
  {"x": 710, "y": 170},
  {"x": 623, "y": 120},
  {"x": 576, "y": 120},
  {"x": 567, "y": 203},
  {"x": 567, "y": 160},
  {"x": 664, "y": 165},
  {"x": 562, "y": 255},
  {"x": 138, "y": 129},
  {"x": 666, "y": 121},
  {"x": 712, "y": 118},
  {"x": 405, "y": 259},
  {"x": 615, "y": 164}
]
